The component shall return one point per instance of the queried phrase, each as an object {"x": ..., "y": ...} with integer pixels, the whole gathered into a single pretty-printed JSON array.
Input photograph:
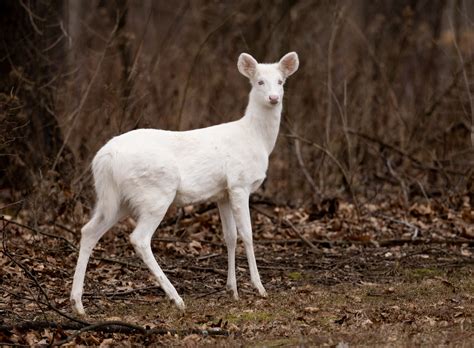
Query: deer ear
[
  {"x": 289, "y": 64},
  {"x": 247, "y": 65}
]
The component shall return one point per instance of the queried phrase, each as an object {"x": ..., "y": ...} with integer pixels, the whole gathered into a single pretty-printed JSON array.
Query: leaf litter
[{"x": 392, "y": 276}]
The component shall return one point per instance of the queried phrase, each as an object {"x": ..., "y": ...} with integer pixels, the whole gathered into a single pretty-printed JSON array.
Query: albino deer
[{"x": 144, "y": 171}]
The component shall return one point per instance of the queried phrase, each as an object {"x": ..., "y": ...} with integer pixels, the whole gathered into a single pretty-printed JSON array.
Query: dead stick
[
  {"x": 289, "y": 224},
  {"x": 382, "y": 243},
  {"x": 122, "y": 293},
  {"x": 13, "y": 222},
  {"x": 302, "y": 237},
  {"x": 37, "y": 283},
  {"x": 305, "y": 171}
]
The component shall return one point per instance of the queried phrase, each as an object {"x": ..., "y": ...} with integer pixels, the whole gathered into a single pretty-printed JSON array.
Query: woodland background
[
  {"x": 366, "y": 215},
  {"x": 382, "y": 101}
]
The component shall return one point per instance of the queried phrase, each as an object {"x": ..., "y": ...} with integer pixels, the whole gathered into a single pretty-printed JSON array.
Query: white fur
[{"x": 143, "y": 171}]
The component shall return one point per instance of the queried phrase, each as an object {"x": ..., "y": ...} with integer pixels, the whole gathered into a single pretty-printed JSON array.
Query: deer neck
[{"x": 264, "y": 121}]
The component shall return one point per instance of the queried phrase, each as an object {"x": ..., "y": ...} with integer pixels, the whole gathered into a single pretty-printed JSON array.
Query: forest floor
[{"x": 387, "y": 276}]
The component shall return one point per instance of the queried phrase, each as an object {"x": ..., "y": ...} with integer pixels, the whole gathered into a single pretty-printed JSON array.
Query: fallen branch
[
  {"x": 415, "y": 228},
  {"x": 30, "y": 275},
  {"x": 70, "y": 244},
  {"x": 32, "y": 229},
  {"x": 122, "y": 293},
  {"x": 109, "y": 327},
  {"x": 207, "y": 269},
  {"x": 289, "y": 224},
  {"x": 300, "y": 235},
  {"x": 325, "y": 243}
]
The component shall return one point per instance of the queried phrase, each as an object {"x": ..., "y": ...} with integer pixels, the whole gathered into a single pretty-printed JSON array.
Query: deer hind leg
[
  {"x": 140, "y": 238},
  {"x": 230, "y": 237},
  {"x": 90, "y": 235},
  {"x": 239, "y": 199}
]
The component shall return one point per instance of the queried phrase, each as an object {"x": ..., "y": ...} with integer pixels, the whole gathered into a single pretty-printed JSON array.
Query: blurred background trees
[
  {"x": 30, "y": 70},
  {"x": 382, "y": 103}
]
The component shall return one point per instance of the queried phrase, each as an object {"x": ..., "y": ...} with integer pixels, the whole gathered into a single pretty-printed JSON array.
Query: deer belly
[{"x": 196, "y": 190}]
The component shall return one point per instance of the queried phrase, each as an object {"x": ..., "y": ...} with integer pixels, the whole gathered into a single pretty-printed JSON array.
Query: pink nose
[{"x": 273, "y": 99}]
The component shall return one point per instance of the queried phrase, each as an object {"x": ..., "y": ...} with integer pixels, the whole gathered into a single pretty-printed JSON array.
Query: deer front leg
[
  {"x": 230, "y": 237},
  {"x": 239, "y": 201}
]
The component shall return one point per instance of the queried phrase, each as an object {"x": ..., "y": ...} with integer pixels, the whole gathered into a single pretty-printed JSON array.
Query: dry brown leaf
[{"x": 312, "y": 309}]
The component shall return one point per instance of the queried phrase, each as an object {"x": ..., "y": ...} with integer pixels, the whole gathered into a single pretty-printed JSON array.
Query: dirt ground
[{"x": 335, "y": 280}]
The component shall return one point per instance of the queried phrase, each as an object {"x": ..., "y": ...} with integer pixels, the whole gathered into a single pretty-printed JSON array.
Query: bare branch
[
  {"x": 32, "y": 16},
  {"x": 336, "y": 161},
  {"x": 306, "y": 173},
  {"x": 74, "y": 115},
  {"x": 466, "y": 80},
  {"x": 198, "y": 53}
]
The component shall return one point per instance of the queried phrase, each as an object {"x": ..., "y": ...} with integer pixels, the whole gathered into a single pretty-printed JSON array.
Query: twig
[
  {"x": 289, "y": 224},
  {"x": 179, "y": 216},
  {"x": 75, "y": 114},
  {"x": 32, "y": 15},
  {"x": 65, "y": 33},
  {"x": 436, "y": 100},
  {"x": 383, "y": 243},
  {"x": 120, "y": 326},
  {"x": 71, "y": 245},
  {"x": 210, "y": 293},
  {"x": 382, "y": 71},
  {"x": 33, "y": 278},
  {"x": 110, "y": 327},
  {"x": 168, "y": 36},
  {"x": 11, "y": 204},
  {"x": 120, "y": 262},
  {"x": 306, "y": 174},
  {"x": 338, "y": 164},
  {"x": 178, "y": 240},
  {"x": 409, "y": 225},
  {"x": 139, "y": 49},
  {"x": 83, "y": 326},
  {"x": 210, "y": 256},
  {"x": 198, "y": 53},
  {"x": 466, "y": 80},
  {"x": 403, "y": 154},
  {"x": 302, "y": 237},
  {"x": 65, "y": 228},
  {"x": 292, "y": 241},
  {"x": 123, "y": 293},
  {"x": 400, "y": 181},
  {"x": 207, "y": 269},
  {"x": 332, "y": 40},
  {"x": 57, "y": 41},
  {"x": 343, "y": 114},
  {"x": 13, "y": 222}
]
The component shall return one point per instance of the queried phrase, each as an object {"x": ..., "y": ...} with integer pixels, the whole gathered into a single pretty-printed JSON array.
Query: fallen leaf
[{"x": 311, "y": 309}]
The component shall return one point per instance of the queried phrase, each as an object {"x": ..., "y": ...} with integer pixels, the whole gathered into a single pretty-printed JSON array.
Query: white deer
[{"x": 144, "y": 171}]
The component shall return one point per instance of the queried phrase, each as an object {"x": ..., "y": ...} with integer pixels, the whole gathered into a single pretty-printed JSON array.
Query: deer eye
[
  {"x": 261, "y": 82},
  {"x": 280, "y": 82}
]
